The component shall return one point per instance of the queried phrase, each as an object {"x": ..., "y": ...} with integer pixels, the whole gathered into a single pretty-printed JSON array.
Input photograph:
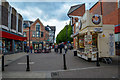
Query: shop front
[
  {"x": 93, "y": 37},
  {"x": 117, "y": 39},
  {"x": 11, "y": 42},
  {"x": 37, "y": 46}
]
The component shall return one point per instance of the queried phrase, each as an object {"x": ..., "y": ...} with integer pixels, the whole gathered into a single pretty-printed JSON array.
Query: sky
[{"x": 50, "y": 13}]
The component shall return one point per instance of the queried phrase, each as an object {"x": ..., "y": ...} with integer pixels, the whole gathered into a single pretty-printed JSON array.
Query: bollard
[
  {"x": 2, "y": 62},
  {"x": 75, "y": 53},
  {"x": 64, "y": 61},
  {"x": 28, "y": 65},
  {"x": 97, "y": 63}
]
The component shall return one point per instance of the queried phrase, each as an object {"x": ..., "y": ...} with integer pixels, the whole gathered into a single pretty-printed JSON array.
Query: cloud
[
  {"x": 54, "y": 22},
  {"x": 29, "y": 13},
  {"x": 53, "y": 13}
]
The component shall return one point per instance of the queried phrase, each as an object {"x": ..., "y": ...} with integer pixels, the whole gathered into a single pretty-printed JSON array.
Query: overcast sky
[{"x": 49, "y": 13}]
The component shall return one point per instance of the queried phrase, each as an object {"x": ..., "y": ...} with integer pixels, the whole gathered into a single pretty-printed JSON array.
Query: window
[
  {"x": 41, "y": 34},
  {"x": 38, "y": 34},
  {"x": 24, "y": 34},
  {"x": 37, "y": 27},
  {"x": 33, "y": 34}
]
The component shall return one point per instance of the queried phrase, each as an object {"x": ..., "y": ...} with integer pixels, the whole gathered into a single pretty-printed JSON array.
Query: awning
[
  {"x": 4, "y": 34},
  {"x": 75, "y": 34},
  {"x": 117, "y": 29}
]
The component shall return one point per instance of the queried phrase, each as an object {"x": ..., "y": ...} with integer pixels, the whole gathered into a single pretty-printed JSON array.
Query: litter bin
[{"x": 75, "y": 53}]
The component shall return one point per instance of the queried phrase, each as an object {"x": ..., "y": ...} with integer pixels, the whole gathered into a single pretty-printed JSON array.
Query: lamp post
[
  {"x": 64, "y": 59},
  {"x": 29, "y": 35}
]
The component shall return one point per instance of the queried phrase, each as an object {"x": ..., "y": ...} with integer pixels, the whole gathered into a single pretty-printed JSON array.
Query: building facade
[
  {"x": 11, "y": 29},
  {"x": 75, "y": 13},
  {"x": 110, "y": 12},
  {"x": 51, "y": 30},
  {"x": 38, "y": 35}
]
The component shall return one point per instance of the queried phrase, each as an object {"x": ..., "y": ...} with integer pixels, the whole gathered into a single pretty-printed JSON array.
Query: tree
[{"x": 61, "y": 37}]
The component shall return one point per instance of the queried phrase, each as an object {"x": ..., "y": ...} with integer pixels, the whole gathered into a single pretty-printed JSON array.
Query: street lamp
[
  {"x": 64, "y": 59},
  {"x": 25, "y": 25},
  {"x": 29, "y": 35}
]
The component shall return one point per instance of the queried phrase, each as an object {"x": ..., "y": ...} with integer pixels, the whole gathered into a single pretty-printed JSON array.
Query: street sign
[{"x": 98, "y": 29}]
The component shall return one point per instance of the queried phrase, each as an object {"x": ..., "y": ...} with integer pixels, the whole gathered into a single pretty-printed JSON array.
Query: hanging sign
[{"x": 96, "y": 19}]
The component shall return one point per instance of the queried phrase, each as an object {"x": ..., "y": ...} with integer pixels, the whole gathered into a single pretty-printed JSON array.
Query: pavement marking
[
  {"x": 26, "y": 63},
  {"x": 79, "y": 69},
  {"x": 85, "y": 68}
]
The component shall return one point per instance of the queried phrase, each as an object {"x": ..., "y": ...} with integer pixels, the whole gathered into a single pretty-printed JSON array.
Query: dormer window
[{"x": 37, "y": 27}]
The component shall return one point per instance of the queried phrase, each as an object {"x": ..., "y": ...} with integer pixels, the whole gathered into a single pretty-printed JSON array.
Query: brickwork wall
[
  {"x": 110, "y": 12},
  {"x": 33, "y": 28}
]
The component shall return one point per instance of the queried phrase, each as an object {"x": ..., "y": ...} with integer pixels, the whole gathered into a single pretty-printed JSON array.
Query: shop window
[
  {"x": 41, "y": 34},
  {"x": 24, "y": 34}
]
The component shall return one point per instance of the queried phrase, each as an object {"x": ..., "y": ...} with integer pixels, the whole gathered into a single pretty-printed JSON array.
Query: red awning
[
  {"x": 4, "y": 34},
  {"x": 117, "y": 29}
]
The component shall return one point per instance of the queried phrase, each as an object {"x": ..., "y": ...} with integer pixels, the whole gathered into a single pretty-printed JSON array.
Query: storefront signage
[
  {"x": 111, "y": 44},
  {"x": 96, "y": 19},
  {"x": 74, "y": 34},
  {"x": 98, "y": 29}
]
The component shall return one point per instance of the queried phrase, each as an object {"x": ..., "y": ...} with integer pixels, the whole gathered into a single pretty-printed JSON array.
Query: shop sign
[
  {"x": 98, "y": 29},
  {"x": 96, "y": 19},
  {"x": 111, "y": 44}
]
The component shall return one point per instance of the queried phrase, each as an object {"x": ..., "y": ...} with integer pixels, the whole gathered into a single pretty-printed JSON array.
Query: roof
[
  {"x": 26, "y": 23},
  {"x": 94, "y": 5},
  {"x": 53, "y": 28},
  {"x": 73, "y": 8}
]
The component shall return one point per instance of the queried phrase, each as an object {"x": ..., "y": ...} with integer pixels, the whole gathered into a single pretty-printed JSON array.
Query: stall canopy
[
  {"x": 117, "y": 29},
  {"x": 4, "y": 34}
]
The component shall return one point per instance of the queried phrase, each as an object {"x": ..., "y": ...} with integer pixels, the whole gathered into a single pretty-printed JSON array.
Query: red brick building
[
  {"x": 110, "y": 11},
  {"x": 38, "y": 35}
]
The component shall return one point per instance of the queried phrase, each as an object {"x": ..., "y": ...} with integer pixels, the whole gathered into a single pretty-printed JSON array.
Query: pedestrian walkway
[
  {"x": 12, "y": 57},
  {"x": 0, "y": 56},
  {"x": 50, "y": 65},
  {"x": 26, "y": 74}
]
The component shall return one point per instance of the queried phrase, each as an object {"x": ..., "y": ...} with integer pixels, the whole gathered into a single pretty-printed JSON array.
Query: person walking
[
  {"x": 31, "y": 48},
  {"x": 65, "y": 48},
  {"x": 27, "y": 49},
  {"x": 56, "y": 48},
  {"x": 60, "y": 48}
]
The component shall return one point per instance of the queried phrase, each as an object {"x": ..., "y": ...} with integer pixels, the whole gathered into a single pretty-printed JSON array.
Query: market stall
[{"x": 94, "y": 37}]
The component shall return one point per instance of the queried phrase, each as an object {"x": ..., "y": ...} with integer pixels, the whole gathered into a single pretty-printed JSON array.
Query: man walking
[
  {"x": 65, "y": 48},
  {"x": 31, "y": 48},
  {"x": 60, "y": 48}
]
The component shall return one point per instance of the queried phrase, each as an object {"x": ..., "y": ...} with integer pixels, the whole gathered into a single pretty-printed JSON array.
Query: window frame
[
  {"x": 33, "y": 34},
  {"x": 37, "y": 28},
  {"x": 42, "y": 34},
  {"x": 38, "y": 34}
]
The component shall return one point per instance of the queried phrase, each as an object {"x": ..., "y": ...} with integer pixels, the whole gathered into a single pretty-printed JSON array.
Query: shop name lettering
[{"x": 98, "y": 30}]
